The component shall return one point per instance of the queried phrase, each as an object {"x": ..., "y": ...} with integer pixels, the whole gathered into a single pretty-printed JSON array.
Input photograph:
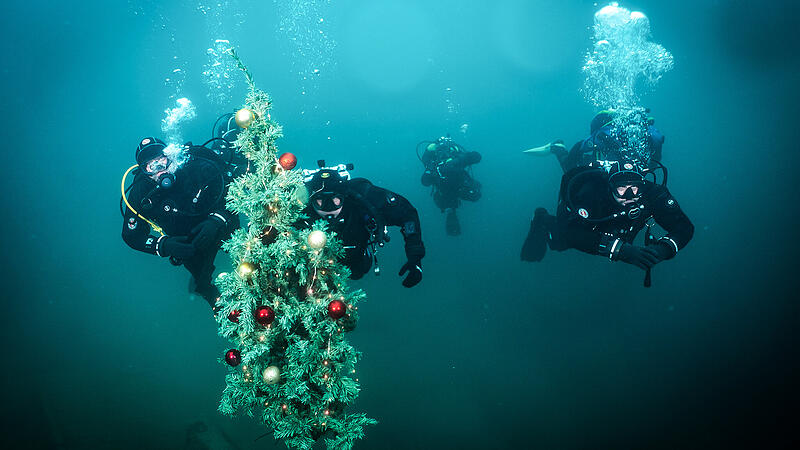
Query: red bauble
[
  {"x": 234, "y": 316},
  {"x": 233, "y": 357},
  {"x": 265, "y": 315},
  {"x": 337, "y": 309},
  {"x": 287, "y": 161}
]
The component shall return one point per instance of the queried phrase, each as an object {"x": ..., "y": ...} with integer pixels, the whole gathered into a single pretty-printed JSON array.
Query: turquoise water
[{"x": 105, "y": 348}]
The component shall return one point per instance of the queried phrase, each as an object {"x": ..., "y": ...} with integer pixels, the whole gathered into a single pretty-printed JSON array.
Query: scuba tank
[
  {"x": 624, "y": 134},
  {"x": 443, "y": 144}
]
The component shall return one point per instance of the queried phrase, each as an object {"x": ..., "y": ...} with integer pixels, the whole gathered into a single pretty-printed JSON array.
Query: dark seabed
[{"x": 105, "y": 348}]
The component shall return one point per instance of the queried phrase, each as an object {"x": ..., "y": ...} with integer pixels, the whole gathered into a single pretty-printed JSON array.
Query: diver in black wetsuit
[
  {"x": 184, "y": 203},
  {"x": 360, "y": 212},
  {"x": 446, "y": 169},
  {"x": 603, "y": 143},
  {"x": 601, "y": 209}
]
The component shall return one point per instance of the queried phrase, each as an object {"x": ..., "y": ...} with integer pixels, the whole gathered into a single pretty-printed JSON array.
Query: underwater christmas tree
[{"x": 287, "y": 306}]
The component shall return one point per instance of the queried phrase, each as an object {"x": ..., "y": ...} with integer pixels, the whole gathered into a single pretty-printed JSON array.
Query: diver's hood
[
  {"x": 624, "y": 172},
  {"x": 600, "y": 120},
  {"x": 148, "y": 149},
  {"x": 227, "y": 128},
  {"x": 325, "y": 182}
]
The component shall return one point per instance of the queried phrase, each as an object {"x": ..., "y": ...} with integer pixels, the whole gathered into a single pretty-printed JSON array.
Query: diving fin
[
  {"x": 452, "y": 226},
  {"x": 546, "y": 149},
  {"x": 535, "y": 246}
]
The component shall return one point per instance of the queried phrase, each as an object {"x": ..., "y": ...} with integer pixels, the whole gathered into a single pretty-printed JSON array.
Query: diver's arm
[
  {"x": 578, "y": 235},
  {"x": 136, "y": 233},
  {"x": 428, "y": 158},
  {"x": 220, "y": 212},
  {"x": 669, "y": 215},
  {"x": 461, "y": 161},
  {"x": 396, "y": 210},
  {"x": 574, "y": 231},
  {"x": 227, "y": 219},
  {"x": 430, "y": 176},
  {"x": 594, "y": 242},
  {"x": 469, "y": 158}
]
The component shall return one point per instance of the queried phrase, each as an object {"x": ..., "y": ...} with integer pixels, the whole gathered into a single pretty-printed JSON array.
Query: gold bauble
[
  {"x": 245, "y": 270},
  {"x": 245, "y": 117},
  {"x": 317, "y": 239},
  {"x": 271, "y": 375}
]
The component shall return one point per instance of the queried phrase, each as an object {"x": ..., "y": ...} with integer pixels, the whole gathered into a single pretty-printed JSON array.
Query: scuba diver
[
  {"x": 448, "y": 170},
  {"x": 601, "y": 209},
  {"x": 605, "y": 142},
  {"x": 180, "y": 194},
  {"x": 360, "y": 214}
]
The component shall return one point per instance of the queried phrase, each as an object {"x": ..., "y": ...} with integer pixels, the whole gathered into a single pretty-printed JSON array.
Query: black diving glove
[
  {"x": 414, "y": 269},
  {"x": 663, "y": 250},
  {"x": 641, "y": 257},
  {"x": 177, "y": 247},
  {"x": 207, "y": 233},
  {"x": 428, "y": 178}
]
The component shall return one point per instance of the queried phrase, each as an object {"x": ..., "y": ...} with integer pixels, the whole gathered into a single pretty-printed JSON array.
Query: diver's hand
[
  {"x": 663, "y": 250},
  {"x": 641, "y": 257},
  {"x": 178, "y": 247},
  {"x": 450, "y": 167},
  {"x": 428, "y": 178},
  {"x": 207, "y": 233},
  {"x": 414, "y": 269}
]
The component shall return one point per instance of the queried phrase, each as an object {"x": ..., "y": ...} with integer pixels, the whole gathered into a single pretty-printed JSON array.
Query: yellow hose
[{"x": 125, "y": 198}]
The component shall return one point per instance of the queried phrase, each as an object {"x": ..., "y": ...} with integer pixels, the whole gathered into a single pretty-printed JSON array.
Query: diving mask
[
  {"x": 327, "y": 204},
  {"x": 156, "y": 165},
  {"x": 627, "y": 191}
]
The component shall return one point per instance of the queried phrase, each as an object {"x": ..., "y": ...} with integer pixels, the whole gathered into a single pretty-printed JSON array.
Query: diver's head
[
  {"x": 600, "y": 120},
  {"x": 154, "y": 162},
  {"x": 326, "y": 193},
  {"x": 626, "y": 180},
  {"x": 226, "y": 127}
]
